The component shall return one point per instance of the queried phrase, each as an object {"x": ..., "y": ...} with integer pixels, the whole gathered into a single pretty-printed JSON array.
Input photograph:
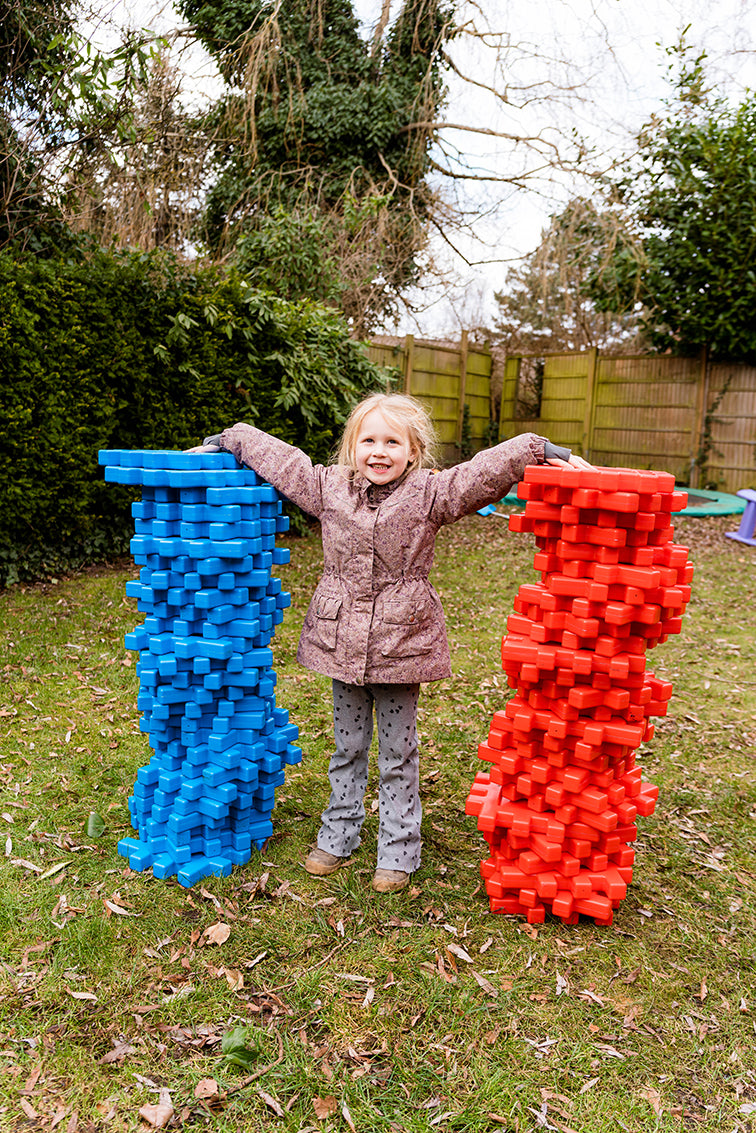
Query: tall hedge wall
[{"x": 129, "y": 351}]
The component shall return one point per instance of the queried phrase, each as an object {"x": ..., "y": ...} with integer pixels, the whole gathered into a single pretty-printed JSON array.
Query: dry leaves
[
  {"x": 158, "y": 1115},
  {"x": 216, "y": 933},
  {"x": 325, "y": 1107},
  {"x": 271, "y": 1103},
  {"x": 485, "y": 984},
  {"x": 206, "y": 1089}
]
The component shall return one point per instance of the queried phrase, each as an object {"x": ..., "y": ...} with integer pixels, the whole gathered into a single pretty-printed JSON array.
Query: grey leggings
[{"x": 398, "y": 767}]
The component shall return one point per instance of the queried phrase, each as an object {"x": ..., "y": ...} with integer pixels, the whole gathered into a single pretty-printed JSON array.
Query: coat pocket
[
  {"x": 407, "y": 628},
  {"x": 326, "y": 621}
]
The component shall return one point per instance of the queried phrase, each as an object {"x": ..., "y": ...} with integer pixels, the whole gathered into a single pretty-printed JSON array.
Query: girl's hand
[
  {"x": 574, "y": 462},
  {"x": 210, "y": 444}
]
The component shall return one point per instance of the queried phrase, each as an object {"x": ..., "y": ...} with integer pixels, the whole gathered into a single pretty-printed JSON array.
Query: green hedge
[{"x": 132, "y": 351}]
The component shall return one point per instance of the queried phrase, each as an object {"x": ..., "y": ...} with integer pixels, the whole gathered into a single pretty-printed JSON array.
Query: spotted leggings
[{"x": 398, "y": 767}]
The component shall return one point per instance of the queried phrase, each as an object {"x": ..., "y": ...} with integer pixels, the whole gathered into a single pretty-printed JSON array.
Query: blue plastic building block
[{"x": 205, "y": 541}]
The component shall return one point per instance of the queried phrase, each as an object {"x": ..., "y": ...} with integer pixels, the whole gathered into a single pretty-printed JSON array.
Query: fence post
[
  {"x": 409, "y": 361},
  {"x": 509, "y": 388},
  {"x": 462, "y": 386},
  {"x": 699, "y": 420},
  {"x": 590, "y": 393}
]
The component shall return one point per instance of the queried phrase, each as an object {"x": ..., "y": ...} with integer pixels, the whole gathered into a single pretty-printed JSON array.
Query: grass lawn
[{"x": 349, "y": 1010}]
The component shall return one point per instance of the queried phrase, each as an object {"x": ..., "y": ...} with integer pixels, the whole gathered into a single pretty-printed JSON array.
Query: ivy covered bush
[{"x": 124, "y": 350}]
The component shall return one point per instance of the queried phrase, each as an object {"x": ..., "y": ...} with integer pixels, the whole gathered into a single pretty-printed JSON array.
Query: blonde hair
[{"x": 401, "y": 412}]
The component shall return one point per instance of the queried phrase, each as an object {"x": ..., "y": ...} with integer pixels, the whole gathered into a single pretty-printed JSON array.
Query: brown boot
[
  {"x": 320, "y": 863},
  {"x": 390, "y": 880}
]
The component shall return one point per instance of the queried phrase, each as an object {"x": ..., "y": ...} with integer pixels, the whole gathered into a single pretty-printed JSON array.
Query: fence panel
[
  {"x": 645, "y": 414},
  {"x": 731, "y": 404},
  {"x": 447, "y": 377},
  {"x": 639, "y": 412}
]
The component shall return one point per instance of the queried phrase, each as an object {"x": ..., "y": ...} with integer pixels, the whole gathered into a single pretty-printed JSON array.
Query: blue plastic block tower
[{"x": 205, "y": 542}]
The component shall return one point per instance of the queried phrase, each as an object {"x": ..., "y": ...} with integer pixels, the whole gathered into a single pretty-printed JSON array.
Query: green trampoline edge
[{"x": 712, "y": 503}]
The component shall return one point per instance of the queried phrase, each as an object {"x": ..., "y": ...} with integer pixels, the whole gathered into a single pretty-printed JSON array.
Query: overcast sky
[{"x": 595, "y": 67}]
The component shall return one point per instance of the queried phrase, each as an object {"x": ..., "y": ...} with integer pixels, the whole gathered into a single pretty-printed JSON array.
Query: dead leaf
[
  {"x": 53, "y": 870},
  {"x": 235, "y": 979},
  {"x": 325, "y": 1107},
  {"x": 158, "y": 1115},
  {"x": 216, "y": 933},
  {"x": 586, "y": 1086},
  {"x": 119, "y": 909},
  {"x": 271, "y": 1102},
  {"x": 653, "y": 1097},
  {"x": 529, "y": 930},
  {"x": 460, "y": 953},
  {"x": 206, "y": 1088},
  {"x": 117, "y": 1054},
  {"x": 32, "y": 1080},
  {"x": 561, "y": 984},
  {"x": 485, "y": 984},
  {"x": 82, "y": 995},
  {"x": 28, "y": 1109},
  {"x": 347, "y": 1116},
  {"x": 24, "y": 864}
]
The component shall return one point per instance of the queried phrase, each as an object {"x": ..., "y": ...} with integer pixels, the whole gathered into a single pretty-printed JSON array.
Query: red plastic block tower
[{"x": 559, "y": 805}]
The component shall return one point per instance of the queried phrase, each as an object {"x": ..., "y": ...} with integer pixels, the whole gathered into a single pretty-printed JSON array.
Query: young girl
[{"x": 375, "y": 623}]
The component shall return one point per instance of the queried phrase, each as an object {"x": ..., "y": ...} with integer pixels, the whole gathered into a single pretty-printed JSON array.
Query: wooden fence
[
  {"x": 447, "y": 377},
  {"x": 691, "y": 417}
]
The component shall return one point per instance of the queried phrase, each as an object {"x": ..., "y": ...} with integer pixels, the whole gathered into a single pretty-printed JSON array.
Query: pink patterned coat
[{"x": 374, "y": 617}]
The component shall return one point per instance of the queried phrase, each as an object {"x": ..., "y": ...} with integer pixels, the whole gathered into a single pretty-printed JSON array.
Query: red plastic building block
[{"x": 559, "y": 805}]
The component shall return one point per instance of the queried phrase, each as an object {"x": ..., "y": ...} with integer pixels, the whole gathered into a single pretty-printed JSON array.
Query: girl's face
[{"x": 382, "y": 452}]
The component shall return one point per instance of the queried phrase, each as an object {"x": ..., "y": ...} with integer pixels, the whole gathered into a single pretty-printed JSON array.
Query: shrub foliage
[{"x": 121, "y": 350}]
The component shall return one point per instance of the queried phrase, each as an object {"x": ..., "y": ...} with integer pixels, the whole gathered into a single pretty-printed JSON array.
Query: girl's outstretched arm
[
  {"x": 490, "y": 474},
  {"x": 283, "y": 465}
]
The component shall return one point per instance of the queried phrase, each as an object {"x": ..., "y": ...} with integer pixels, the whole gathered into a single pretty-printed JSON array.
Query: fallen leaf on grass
[
  {"x": 485, "y": 984},
  {"x": 28, "y": 1109},
  {"x": 118, "y": 909},
  {"x": 240, "y": 1047},
  {"x": 235, "y": 979},
  {"x": 459, "y": 952},
  {"x": 586, "y": 1086},
  {"x": 653, "y": 1097},
  {"x": 117, "y": 1054},
  {"x": 24, "y": 864},
  {"x": 158, "y": 1115},
  {"x": 82, "y": 995},
  {"x": 53, "y": 870},
  {"x": 325, "y": 1107},
  {"x": 216, "y": 933},
  {"x": 347, "y": 1116},
  {"x": 271, "y": 1103},
  {"x": 95, "y": 825},
  {"x": 206, "y": 1088}
]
